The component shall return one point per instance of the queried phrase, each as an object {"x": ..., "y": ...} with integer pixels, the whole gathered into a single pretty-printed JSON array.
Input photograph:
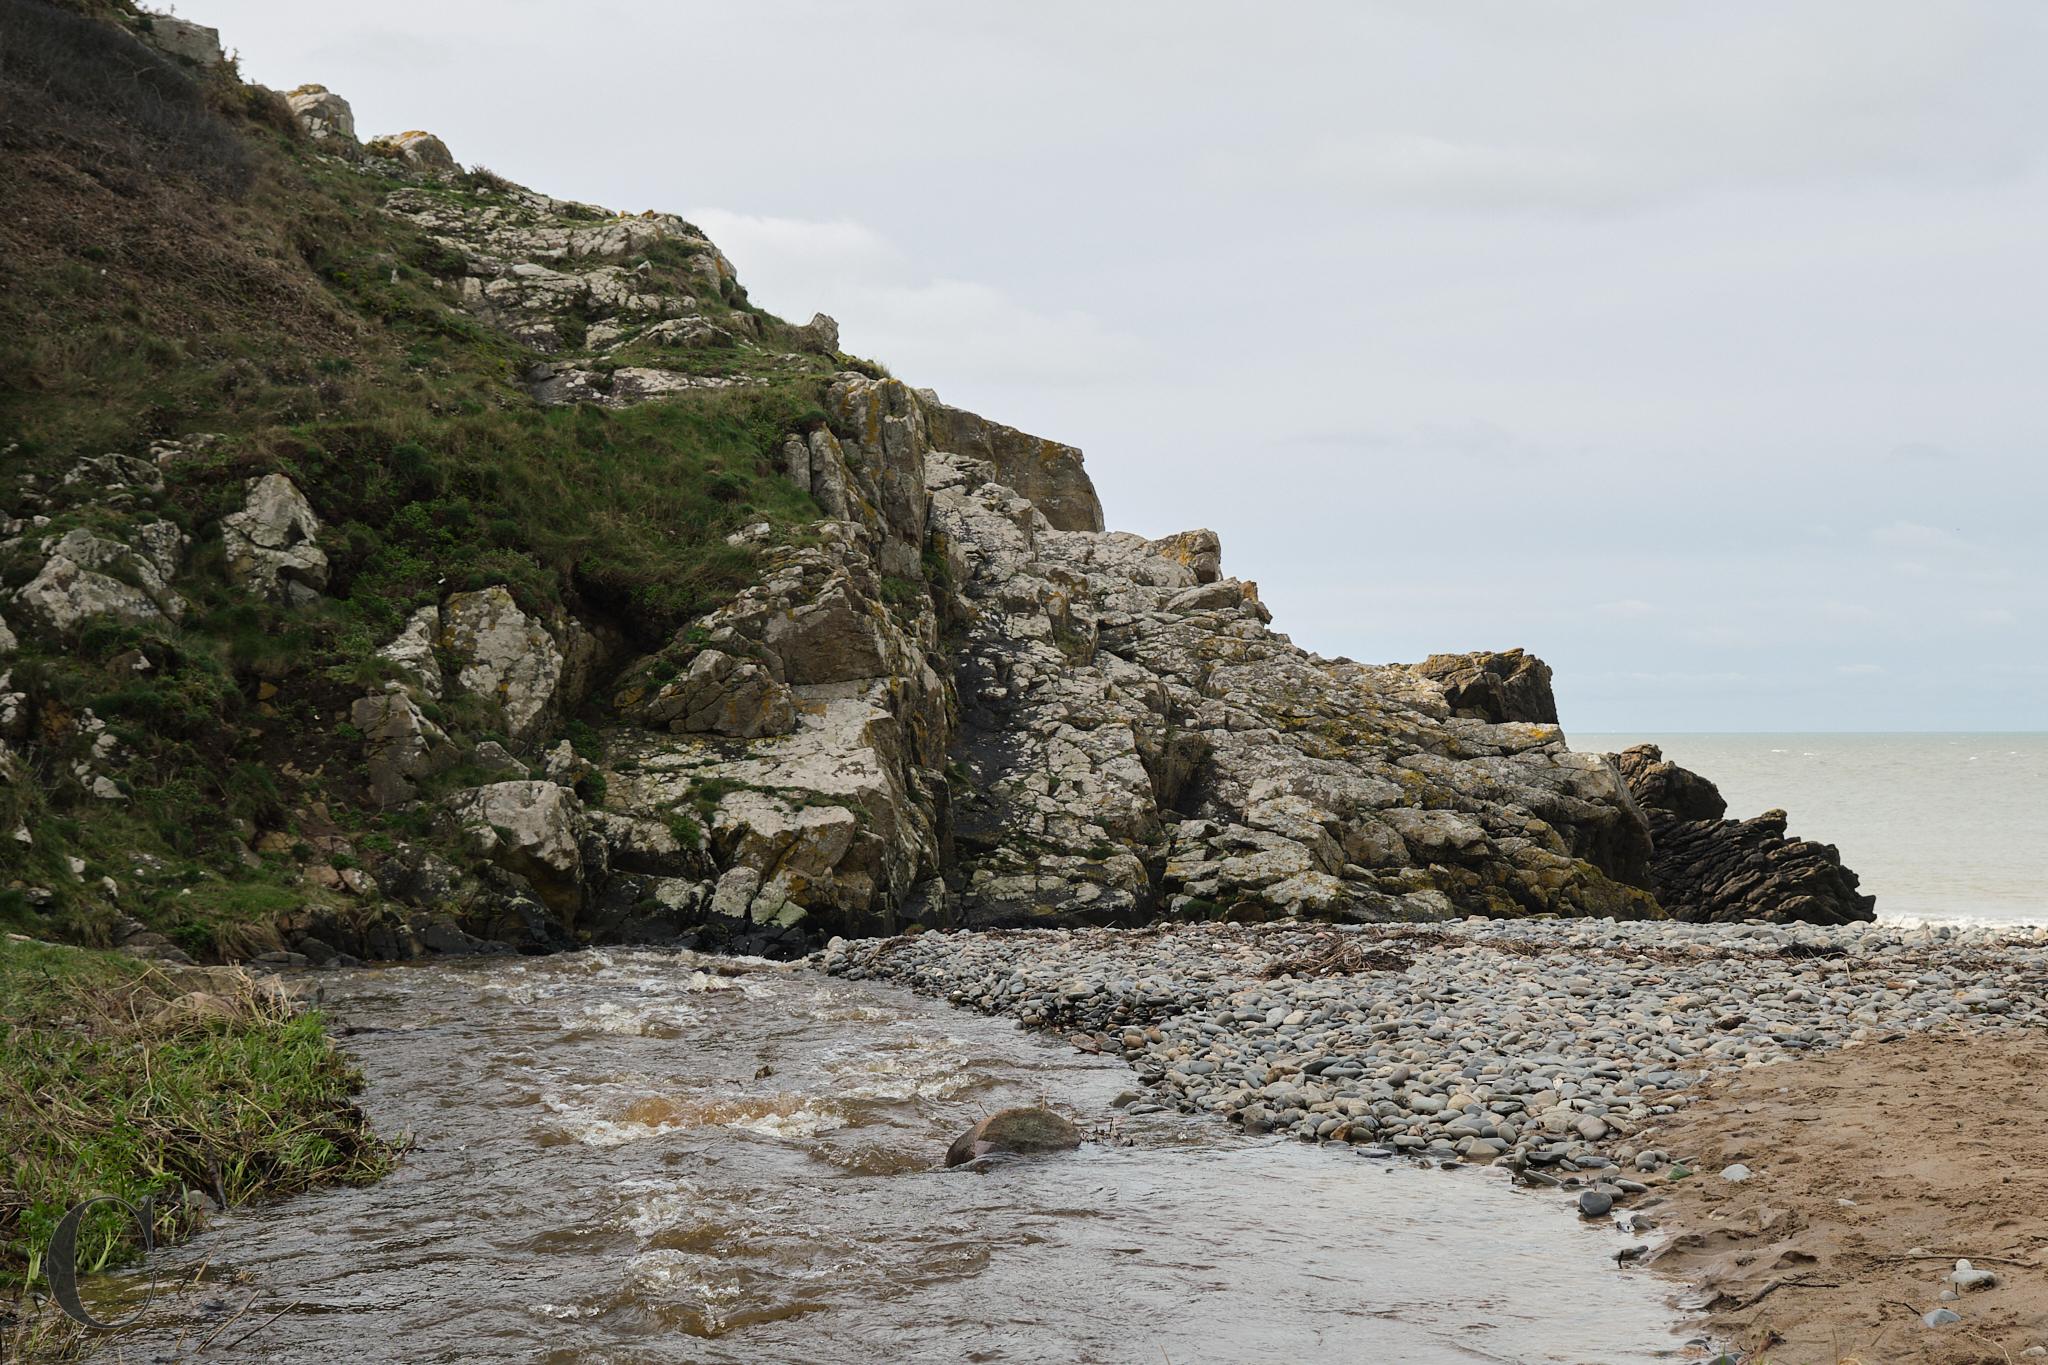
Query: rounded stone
[{"x": 1021, "y": 1132}]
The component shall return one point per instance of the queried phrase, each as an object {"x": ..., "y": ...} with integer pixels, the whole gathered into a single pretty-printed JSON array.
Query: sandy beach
[{"x": 1872, "y": 1172}]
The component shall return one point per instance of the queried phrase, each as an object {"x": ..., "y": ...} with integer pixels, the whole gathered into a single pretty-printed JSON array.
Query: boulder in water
[{"x": 1021, "y": 1132}]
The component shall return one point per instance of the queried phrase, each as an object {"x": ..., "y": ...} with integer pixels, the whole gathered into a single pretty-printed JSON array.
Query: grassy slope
[{"x": 209, "y": 273}]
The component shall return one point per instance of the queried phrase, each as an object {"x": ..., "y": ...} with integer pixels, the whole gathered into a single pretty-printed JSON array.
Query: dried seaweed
[{"x": 1336, "y": 955}]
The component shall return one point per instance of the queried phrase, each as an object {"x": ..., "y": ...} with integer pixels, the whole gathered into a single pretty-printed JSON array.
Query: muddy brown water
[{"x": 623, "y": 1158}]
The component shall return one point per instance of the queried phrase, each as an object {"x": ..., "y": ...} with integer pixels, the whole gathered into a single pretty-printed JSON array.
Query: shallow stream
[{"x": 623, "y": 1157}]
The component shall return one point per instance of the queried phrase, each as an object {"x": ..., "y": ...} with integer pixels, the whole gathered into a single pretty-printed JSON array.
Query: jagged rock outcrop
[
  {"x": 1494, "y": 687},
  {"x": 499, "y": 908},
  {"x": 174, "y": 37},
  {"x": 401, "y": 747},
  {"x": 411, "y": 654},
  {"x": 1200, "y": 552},
  {"x": 532, "y": 830},
  {"x": 720, "y": 694},
  {"x": 416, "y": 148},
  {"x": 783, "y": 765},
  {"x": 875, "y": 466},
  {"x": 113, "y": 479},
  {"x": 534, "y": 670},
  {"x": 623, "y": 387},
  {"x": 504, "y": 655},
  {"x": 562, "y": 275},
  {"x": 1707, "y": 868},
  {"x": 322, "y": 113},
  {"x": 1047, "y": 473},
  {"x": 820, "y": 334},
  {"x": 272, "y": 544},
  {"x": 1138, "y": 741},
  {"x": 1666, "y": 789}
]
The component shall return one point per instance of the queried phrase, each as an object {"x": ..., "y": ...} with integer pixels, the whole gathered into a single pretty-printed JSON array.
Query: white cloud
[
  {"x": 793, "y": 252},
  {"x": 1723, "y": 637},
  {"x": 1605, "y": 107},
  {"x": 1681, "y": 677},
  {"x": 1990, "y": 616},
  {"x": 1860, "y": 670},
  {"x": 918, "y": 324},
  {"x": 1911, "y": 535},
  {"x": 1627, "y": 609},
  {"x": 1419, "y": 169}
]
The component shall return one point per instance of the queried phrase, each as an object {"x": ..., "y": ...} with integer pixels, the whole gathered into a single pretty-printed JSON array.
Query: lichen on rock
[
  {"x": 416, "y": 148},
  {"x": 272, "y": 544},
  {"x": 87, "y": 575},
  {"x": 322, "y": 113}
]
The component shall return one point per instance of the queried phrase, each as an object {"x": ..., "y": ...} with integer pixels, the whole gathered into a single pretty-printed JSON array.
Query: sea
[{"x": 1940, "y": 827}]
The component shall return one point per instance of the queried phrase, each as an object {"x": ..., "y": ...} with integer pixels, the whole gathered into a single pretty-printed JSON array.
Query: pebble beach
[
  {"x": 1550, "y": 1046},
  {"x": 1794, "y": 1123}
]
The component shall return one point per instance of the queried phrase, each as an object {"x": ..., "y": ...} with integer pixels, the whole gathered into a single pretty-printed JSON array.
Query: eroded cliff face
[
  {"x": 1060, "y": 726},
  {"x": 941, "y": 695}
]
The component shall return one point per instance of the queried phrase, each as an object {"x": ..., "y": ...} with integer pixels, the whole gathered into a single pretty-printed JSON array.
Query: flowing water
[
  {"x": 622, "y": 1157},
  {"x": 1938, "y": 826}
]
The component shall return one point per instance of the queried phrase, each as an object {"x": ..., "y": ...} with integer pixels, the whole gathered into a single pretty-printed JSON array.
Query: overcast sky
[{"x": 1698, "y": 348}]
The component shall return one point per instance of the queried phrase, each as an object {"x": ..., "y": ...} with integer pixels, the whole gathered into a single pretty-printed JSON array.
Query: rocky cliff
[
  {"x": 1707, "y": 868},
  {"x": 488, "y": 570}
]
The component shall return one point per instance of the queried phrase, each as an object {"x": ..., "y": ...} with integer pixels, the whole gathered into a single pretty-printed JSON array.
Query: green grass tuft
[{"x": 106, "y": 1088}]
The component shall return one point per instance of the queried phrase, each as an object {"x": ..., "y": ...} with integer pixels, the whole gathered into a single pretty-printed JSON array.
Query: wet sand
[{"x": 1873, "y": 1170}]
